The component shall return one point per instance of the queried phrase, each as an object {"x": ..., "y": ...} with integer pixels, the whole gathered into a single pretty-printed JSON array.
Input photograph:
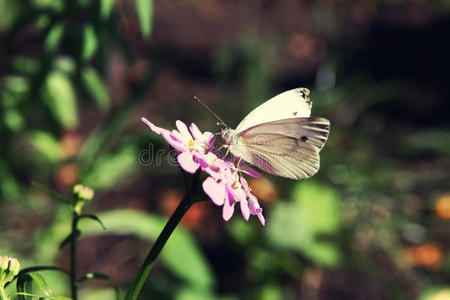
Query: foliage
[{"x": 76, "y": 77}]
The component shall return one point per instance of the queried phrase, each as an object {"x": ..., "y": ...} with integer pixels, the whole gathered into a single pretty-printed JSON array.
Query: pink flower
[
  {"x": 192, "y": 148},
  {"x": 224, "y": 186}
]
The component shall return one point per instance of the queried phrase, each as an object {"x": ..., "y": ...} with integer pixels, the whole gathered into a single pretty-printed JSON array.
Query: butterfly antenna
[{"x": 210, "y": 110}]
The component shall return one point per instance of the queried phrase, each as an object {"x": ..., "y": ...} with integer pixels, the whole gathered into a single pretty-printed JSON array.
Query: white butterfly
[{"x": 280, "y": 137}]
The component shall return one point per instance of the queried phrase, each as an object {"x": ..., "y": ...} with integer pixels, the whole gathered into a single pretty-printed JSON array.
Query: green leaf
[
  {"x": 10, "y": 11},
  {"x": 144, "y": 9},
  {"x": 64, "y": 64},
  {"x": 95, "y": 86},
  {"x": 318, "y": 205},
  {"x": 9, "y": 187},
  {"x": 306, "y": 222},
  {"x": 434, "y": 141},
  {"x": 181, "y": 253},
  {"x": 24, "y": 285},
  {"x": 14, "y": 120},
  {"x": 39, "y": 281},
  {"x": 435, "y": 293},
  {"x": 54, "y": 38},
  {"x": 56, "y": 5},
  {"x": 93, "y": 217},
  {"x": 189, "y": 293},
  {"x": 54, "y": 194},
  {"x": 106, "y": 7},
  {"x": 107, "y": 170},
  {"x": 68, "y": 239},
  {"x": 90, "y": 42},
  {"x": 104, "y": 277},
  {"x": 46, "y": 145},
  {"x": 60, "y": 99},
  {"x": 23, "y": 64}
]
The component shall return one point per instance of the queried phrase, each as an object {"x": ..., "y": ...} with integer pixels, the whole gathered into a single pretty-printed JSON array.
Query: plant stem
[
  {"x": 3, "y": 295},
  {"x": 175, "y": 218},
  {"x": 73, "y": 256}
]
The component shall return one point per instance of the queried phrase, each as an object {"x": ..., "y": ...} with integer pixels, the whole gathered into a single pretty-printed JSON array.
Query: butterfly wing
[
  {"x": 290, "y": 104},
  {"x": 288, "y": 148}
]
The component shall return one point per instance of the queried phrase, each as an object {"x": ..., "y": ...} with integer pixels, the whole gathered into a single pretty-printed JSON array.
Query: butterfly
[{"x": 280, "y": 137}]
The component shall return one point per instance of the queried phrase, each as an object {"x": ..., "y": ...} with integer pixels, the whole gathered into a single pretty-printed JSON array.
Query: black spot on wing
[{"x": 303, "y": 138}]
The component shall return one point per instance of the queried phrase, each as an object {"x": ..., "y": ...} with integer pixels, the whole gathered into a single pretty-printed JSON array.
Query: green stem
[
  {"x": 176, "y": 217},
  {"x": 73, "y": 256},
  {"x": 3, "y": 295}
]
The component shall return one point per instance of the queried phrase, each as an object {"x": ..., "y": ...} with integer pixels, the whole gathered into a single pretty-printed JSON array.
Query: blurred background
[{"x": 373, "y": 223}]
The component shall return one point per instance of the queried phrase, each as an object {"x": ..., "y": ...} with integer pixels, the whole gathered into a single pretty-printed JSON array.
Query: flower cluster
[
  {"x": 225, "y": 185},
  {"x": 9, "y": 268}
]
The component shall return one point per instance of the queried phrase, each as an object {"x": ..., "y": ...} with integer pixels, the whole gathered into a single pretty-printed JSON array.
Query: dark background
[{"x": 76, "y": 77}]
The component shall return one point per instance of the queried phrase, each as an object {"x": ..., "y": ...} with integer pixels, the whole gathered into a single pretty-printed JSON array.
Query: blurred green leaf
[
  {"x": 65, "y": 64},
  {"x": 144, "y": 9},
  {"x": 325, "y": 253},
  {"x": 56, "y": 5},
  {"x": 435, "y": 293},
  {"x": 319, "y": 206},
  {"x": 9, "y": 11},
  {"x": 90, "y": 42},
  {"x": 102, "y": 277},
  {"x": 106, "y": 7},
  {"x": 59, "y": 96},
  {"x": 181, "y": 253},
  {"x": 9, "y": 188},
  {"x": 189, "y": 293},
  {"x": 84, "y": 3},
  {"x": 14, "y": 120},
  {"x": 91, "y": 293},
  {"x": 50, "y": 192},
  {"x": 54, "y": 38},
  {"x": 25, "y": 65},
  {"x": 107, "y": 170},
  {"x": 271, "y": 292},
  {"x": 435, "y": 141},
  {"x": 102, "y": 137},
  {"x": 301, "y": 224},
  {"x": 16, "y": 84},
  {"x": 46, "y": 145},
  {"x": 96, "y": 87}
]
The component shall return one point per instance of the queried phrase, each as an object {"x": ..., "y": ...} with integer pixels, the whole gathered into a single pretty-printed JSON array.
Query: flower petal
[
  {"x": 209, "y": 138},
  {"x": 196, "y": 133},
  {"x": 250, "y": 171},
  {"x": 244, "y": 209},
  {"x": 154, "y": 128},
  {"x": 214, "y": 190},
  {"x": 187, "y": 162},
  {"x": 182, "y": 128},
  {"x": 228, "y": 208},
  {"x": 261, "y": 219},
  {"x": 174, "y": 142},
  {"x": 255, "y": 209}
]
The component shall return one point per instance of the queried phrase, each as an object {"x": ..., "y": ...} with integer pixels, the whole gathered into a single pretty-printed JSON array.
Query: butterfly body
[{"x": 280, "y": 137}]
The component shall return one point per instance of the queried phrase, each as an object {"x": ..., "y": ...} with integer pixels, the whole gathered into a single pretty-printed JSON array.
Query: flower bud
[
  {"x": 9, "y": 268},
  {"x": 81, "y": 194}
]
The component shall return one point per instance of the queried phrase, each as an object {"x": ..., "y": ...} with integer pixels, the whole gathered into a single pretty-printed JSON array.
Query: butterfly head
[{"x": 228, "y": 136}]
